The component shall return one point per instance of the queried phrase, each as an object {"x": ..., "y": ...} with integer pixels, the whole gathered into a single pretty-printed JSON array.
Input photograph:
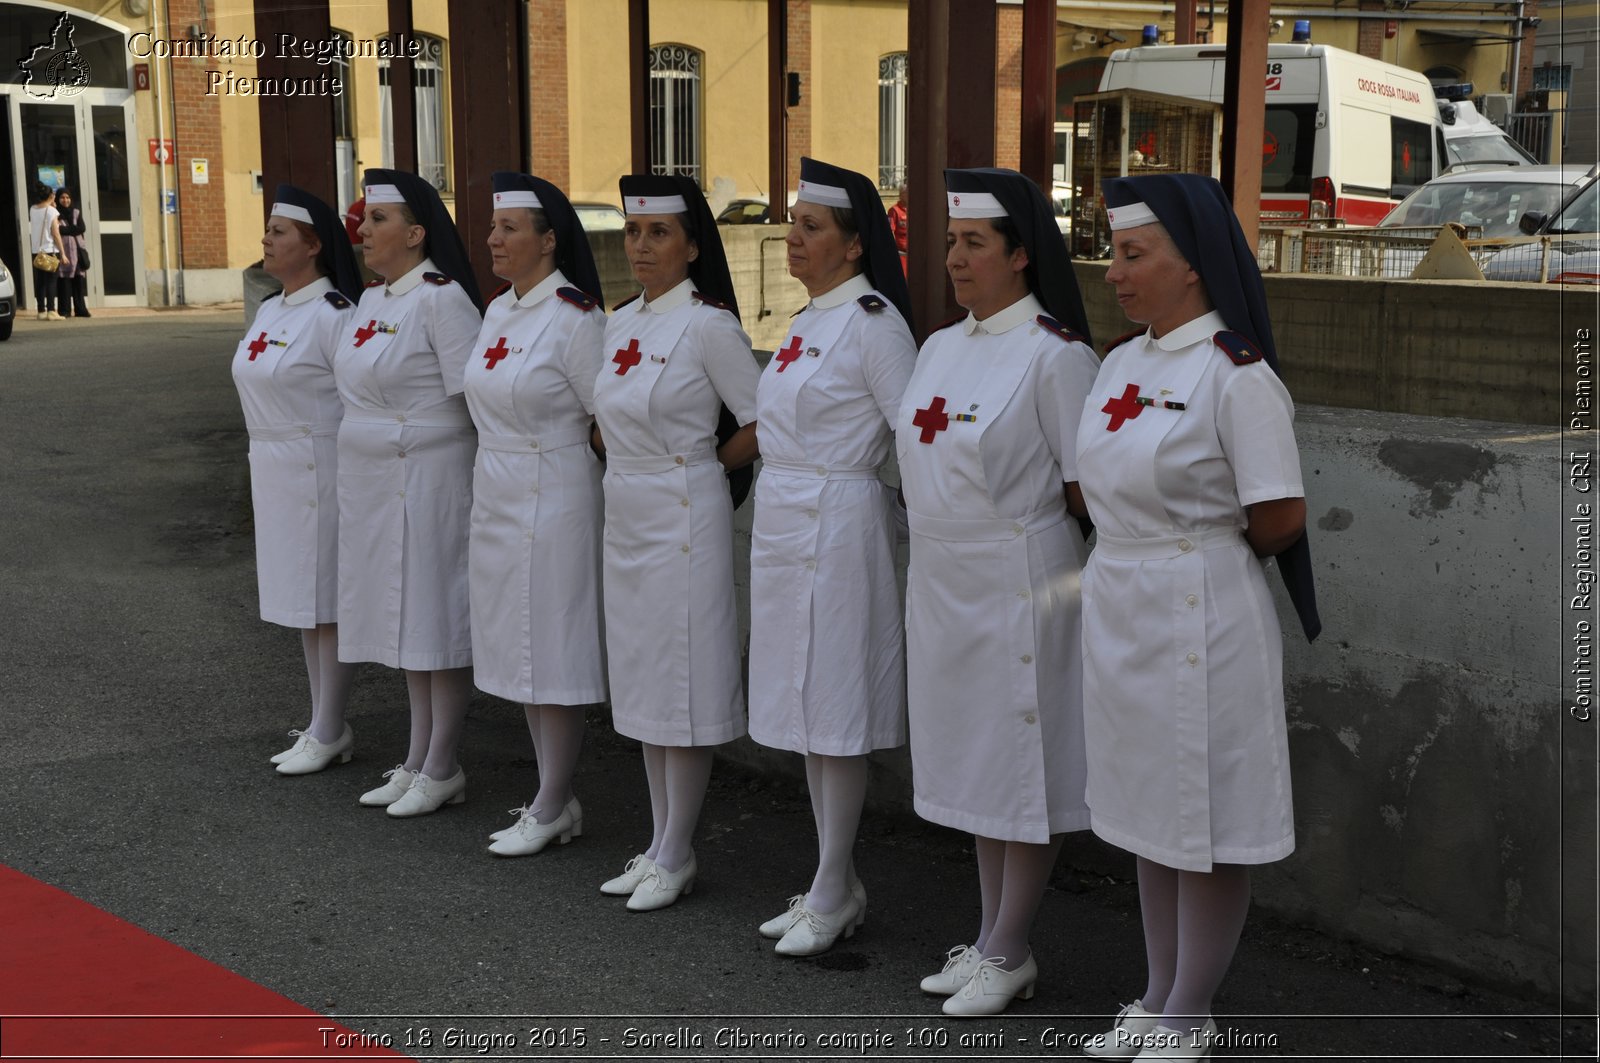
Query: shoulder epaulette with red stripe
[
  {"x": 337, "y": 298},
  {"x": 498, "y": 292},
  {"x": 577, "y": 297},
  {"x": 626, "y": 301},
  {"x": 1124, "y": 338},
  {"x": 711, "y": 301},
  {"x": 872, "y": 302},
  {"x": 437, "y": 278},
  {"x": 1052, "y": 325},
  {"x": 1236, "y": 347},
  {"x": 376, "y": 284},
  {"x": 953, "y": 321}
]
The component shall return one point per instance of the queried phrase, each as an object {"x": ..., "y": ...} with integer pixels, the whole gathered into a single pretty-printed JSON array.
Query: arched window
[
  {"x": 428, "y": 77},
  {"x": 892, "y": 84},
  {"x": 675, "y": 110}
]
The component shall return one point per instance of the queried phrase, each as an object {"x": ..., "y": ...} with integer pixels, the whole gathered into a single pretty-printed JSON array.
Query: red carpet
[{"x": 79, "y": 983}]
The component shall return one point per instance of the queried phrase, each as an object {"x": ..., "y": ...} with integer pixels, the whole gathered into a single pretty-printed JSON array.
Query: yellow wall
[
  {"x": 731, "y": 34},
  {"x": 597, "y": 98},
  {"x": 847, "y": 40}
]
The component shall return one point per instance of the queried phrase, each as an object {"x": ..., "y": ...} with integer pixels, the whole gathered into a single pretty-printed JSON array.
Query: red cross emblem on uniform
[
  {"x": 784, "y": 357},
  {"x": 932, "y": 420},
  {"x": 493, "y": 355},
  {"x": 955, "y": 200},
  {"x": 1124, "y": 408},
  {"x": 366, "y": 332},
  {"x": 627, "y": 357},
  {"x": 257, "y": 345}
]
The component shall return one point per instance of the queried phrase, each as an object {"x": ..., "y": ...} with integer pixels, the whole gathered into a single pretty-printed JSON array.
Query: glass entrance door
[
  {"x": 112, "y": 224},
  {"x": 83, "y": 145}
]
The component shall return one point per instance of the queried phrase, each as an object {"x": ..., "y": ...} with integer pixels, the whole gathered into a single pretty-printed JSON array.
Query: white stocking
[
  {"x": 531, "y": 714},
  {"x": 561, "y": 739},
  {"x": 991, "y": 878},
  {"x": 688, "y": 774},
  {"x": 1211, "y": 911},
  {"x": 1027, "y": 867},
  {"x": 451, "y": 688},
  {"x": 655, "y": 774},
  {"x": 333, "y": 679},
  {"x": 419, "y": 688},
  {"x": 1158, "y": 909},
  {"x": 844, "y": 790},
  {"x": 309, "y": 643}
]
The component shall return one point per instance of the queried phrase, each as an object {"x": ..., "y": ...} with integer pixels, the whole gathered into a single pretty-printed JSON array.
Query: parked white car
[
  {"x": 8, "y": 301},
  {"x": 1494, "y": 199},
  {"x": 1574, "y": 242}
]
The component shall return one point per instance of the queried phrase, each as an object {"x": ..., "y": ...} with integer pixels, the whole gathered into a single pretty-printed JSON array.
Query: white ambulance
[{"x": 1345, "y": 136}]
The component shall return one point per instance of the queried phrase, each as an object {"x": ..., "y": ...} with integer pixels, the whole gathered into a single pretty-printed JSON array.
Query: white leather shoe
[
  {"x": 1163, "y": 1042},
  {"x": 299, "y": 740},
  {"x": 1126, "y": 1037},
  {"x": 779, "y": 925},
  {"x": 391, "y": 791},
  {"x": 527, "y": 810},
  {"x": 990, "y": 990},
  {"x": 662, "y": 887},
  {"x": 427, "y": 795},
  {"x": 530, "y": 835},
  {"x": 815, "y": 932},
  {"x": 958, "y": 968},
  {"x": 624, "y": 884},
  {"x": 313, "y": 756}
]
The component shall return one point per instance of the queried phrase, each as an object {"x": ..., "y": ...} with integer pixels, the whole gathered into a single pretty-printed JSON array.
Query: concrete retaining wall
[{"x": 1439, "y": 348}]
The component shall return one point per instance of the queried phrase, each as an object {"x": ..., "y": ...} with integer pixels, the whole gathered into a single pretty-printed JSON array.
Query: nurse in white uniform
[
  {"x": 284, "y": 372},
  {"x": 675, "y": 360},
  {"x": 406, "y": 447},
  {"x": 1188, "y": 466},
  {"x": 534, "y": 561},
  {"x": 827, "y": 663},
  {"x": 985, "y": 438}
]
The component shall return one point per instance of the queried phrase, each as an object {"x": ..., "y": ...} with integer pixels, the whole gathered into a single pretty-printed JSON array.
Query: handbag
[
  {"x": 45, "y": 262},
  {"x": 83, "y": 256}
]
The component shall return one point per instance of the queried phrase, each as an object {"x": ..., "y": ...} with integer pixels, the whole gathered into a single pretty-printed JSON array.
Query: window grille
[
  {"x": 675, "y": 110},
  {"x": 893, "y": 80},
  {"x": 428, "y": 78}
]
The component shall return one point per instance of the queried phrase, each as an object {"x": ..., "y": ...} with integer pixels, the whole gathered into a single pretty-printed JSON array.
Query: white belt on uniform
[
  {"x": 1110, "y": 546},
  {"x": 815, "y": 471},
  {"x": 440, "y": 418},
  {"x": 282, "y": 433},
  {"x": 649, "y": 463},
  {"x": 986, "y": 529},
  {"x": 540, "y": 443}
]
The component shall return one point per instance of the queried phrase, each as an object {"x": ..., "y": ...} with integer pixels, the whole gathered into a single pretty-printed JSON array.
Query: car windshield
[
  {"x": 1495, "y": 205},
  {"x": 1499, "y": 148},
  {"x": 600, "y": 219},
  {"x": 1582, "y": 214}
]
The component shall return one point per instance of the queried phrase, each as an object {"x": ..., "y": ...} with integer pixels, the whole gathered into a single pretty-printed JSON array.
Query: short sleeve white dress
[
  {"x": 672, "y": 638},
  {"x": 534, "y": 560},
  {"x": 985, "y": 438},
  {"x": 406, "y": 447},
  {"x": 827, "y": 660},
  {"x": 1183, "y": 656}
]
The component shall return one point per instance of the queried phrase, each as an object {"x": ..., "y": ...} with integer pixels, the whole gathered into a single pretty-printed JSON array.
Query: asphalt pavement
[{"x": 142, "y": 695}]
